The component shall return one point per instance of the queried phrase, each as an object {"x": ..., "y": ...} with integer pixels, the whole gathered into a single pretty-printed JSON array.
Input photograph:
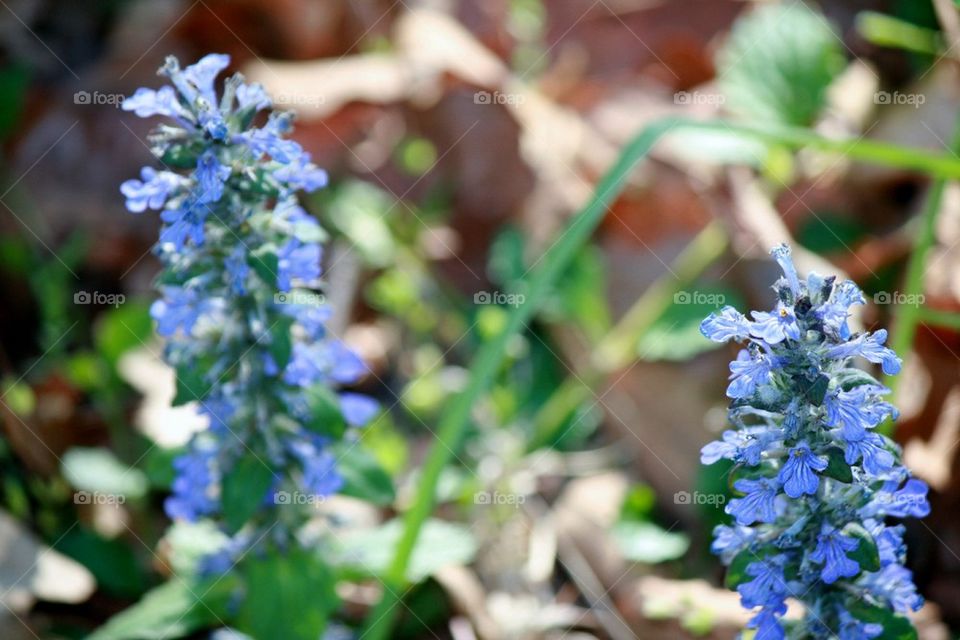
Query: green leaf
[
  {"x": 866, "y": 554},
  {"x": 281, "y": 341},
  {"x": 777, "y": 64},
  {"x": 288, "y": 596},
  {"x": 359, "y": 211},
  {"x": 98, "y": 470},
  {"x": 888, "y": 31},
  {"x": 180, "y": 156},
  {"x": 325, "y": 415},
  {"x": 639, "y": 502},
  {"x": 583, "y": 296},
  {"x": 737, "y": 571},
  {"x": 157, "y": 465},
  {"x": 120, "y": 329},
  {"x": 815, "y": 390},
  {"x": 265, "y": 264},
  {"x": 14, "y": 83},
  {"x": 895, "y": 627},
  {"x": 363, "y": 477},
  {"x": 112, "y": 563},
  {"x": 244, "y": 488},
  {"x": 173, "y": 610},
  {"x": 192, "y": 384},
  {"x": 506, "y": 263},
  {"x": 440, "y": 544},
  {"x": 646, "y": 542},
  {"x": 837, "y": 467}
]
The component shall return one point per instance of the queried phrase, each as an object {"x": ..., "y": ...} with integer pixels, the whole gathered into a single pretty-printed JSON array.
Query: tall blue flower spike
[
  {"x": 243, "y": 323},
  {"x": 817, "y": 484}
]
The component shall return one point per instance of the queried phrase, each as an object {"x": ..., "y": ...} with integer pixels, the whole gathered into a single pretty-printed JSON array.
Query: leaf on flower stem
[
  {"x": 244, "y": 489},
  {"x": 895, "y": 627},
  {"x": 737, "y": 571},
  {"x": 326, "y": 416},
  {"x": 866, "y": 554},
  {"x": 281, "y": 342},
  {"x": 815, "y": 390},
  {"x": 192, "y": 384},
  {"x": 363, "y": 477},
  {"x": 837, "y": 467},
  {"x": 265, "y": 264},
  {"x": 180, "y": 156}
]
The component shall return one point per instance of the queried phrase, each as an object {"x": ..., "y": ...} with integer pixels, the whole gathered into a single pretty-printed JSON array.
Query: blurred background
[{"x": 460, "y": 136}]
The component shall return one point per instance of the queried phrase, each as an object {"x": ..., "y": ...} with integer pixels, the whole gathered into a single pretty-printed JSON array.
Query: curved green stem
[
  {"x": 456, "y": 415},
  {"x": 909, "y": 316}
]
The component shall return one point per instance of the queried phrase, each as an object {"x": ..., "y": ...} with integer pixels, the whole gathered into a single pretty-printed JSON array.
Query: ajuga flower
[
  {"x": 243, "y": 328},
  {"x": 816, "y": 481}
]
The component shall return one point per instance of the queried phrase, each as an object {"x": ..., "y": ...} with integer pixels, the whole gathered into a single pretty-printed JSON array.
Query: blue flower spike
[
  {"x": 244, "y": 327},
  {"x": 816, "y": 481}
]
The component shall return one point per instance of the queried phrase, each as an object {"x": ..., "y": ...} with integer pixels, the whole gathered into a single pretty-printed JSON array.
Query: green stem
[
  {"x": 939, "y": 318},
  {"x": 456, "y": 415},
  {"x": 908, "y": 316}
]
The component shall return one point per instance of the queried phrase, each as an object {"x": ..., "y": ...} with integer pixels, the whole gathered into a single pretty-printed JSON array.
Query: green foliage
[
  {"x": 777, "y": 64},
  {"x": 289, "y": 595},
  {"x": 889, "y": 31},
  {"x": 360, "y": 211},
  {"x": 363, "y": 477},
  {"x": 99, "y": 471},
  {"x": 326, "y": 417},
  {"x": 120, "y": 329},
  {"x": 112, "y": 563},
  {"x": 14, "y": 81},
  {"x": 244, "y": 488},
  {"x": 368, "y": 553},
  {"x": 173, "y": 610},
  {"x": 648, "y": 543},
  {"x": 837, "y": 468},
  {"x": 866, "y": 554},
  {"x": 193, "y": 385},
  {"x": 895, "y": 627}
]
